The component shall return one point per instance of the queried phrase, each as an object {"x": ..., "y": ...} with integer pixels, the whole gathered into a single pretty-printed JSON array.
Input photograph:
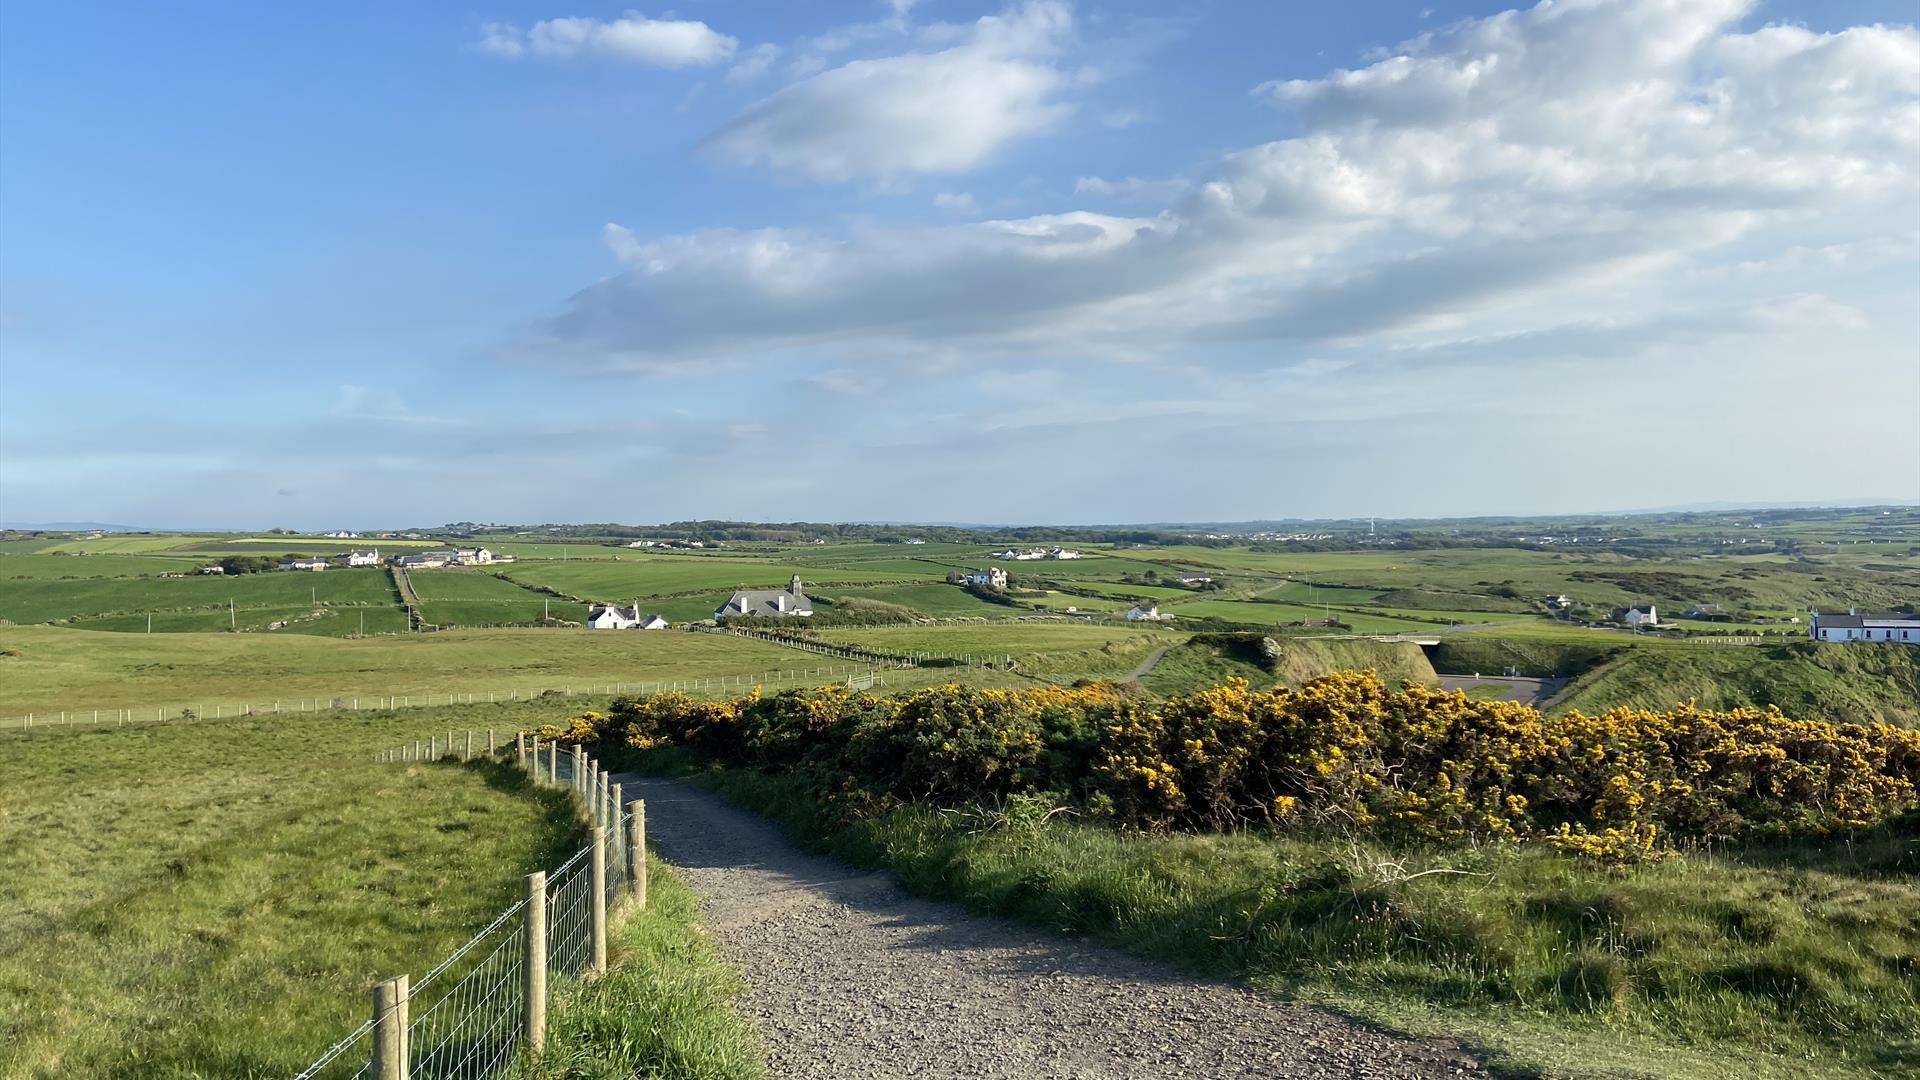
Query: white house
[
  {"x": 470, "y": 557},
  {"x": 1063, "y": 553},
  {"x": 1634, "y": 616},
  {"x": 304, "y": 564},
  {"x": 1195, "y": 579},
  {"x": 360, "y": 558},
  {"x": 1857, "y": 625},
  {"x": 1149, "y": 613},
  {"x": 992, "y": 577},
  {"x": 613, "y": 617},
  {"x": 1559, "y": 600},
  {"x": 768, "y": 602},
  {"x": 652, "y": 622}
]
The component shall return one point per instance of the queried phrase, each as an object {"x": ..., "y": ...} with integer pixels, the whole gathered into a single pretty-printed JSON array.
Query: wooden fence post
[
  {"x": 390, "y": 1029},
  {"x": 637, "y": 850},
  {"x": 490, "y": 747},
  {"x": 553, "y": 762},
  {"x": 535, "y": 963},
  {"x": 597, "y": 911},
  {"x": 468, "y": 756}
]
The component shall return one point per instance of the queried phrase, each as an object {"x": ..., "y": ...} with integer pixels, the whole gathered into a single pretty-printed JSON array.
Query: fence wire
[{"x": 466, "y": 1015}]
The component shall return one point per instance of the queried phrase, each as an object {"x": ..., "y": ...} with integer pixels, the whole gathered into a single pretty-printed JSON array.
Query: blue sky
[{"x": 1069, "y": 262}]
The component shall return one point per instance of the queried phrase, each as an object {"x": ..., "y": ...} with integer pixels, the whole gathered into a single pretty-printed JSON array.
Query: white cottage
[{"x": 1857, "y": 625}]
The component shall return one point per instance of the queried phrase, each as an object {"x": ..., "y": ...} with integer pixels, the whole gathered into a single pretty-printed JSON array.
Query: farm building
[
  {"x": 1856, "y": 625},
  {"x": 1196, "y": 579},
  {"x": 773, "y": 602},
  {"x": 992, "y": 577},
  {"x": 426, "y": 560},
  {"x": 304, "y": 564},
  {"x": 1150, "y": 613},
  {"x": 1647, "y": 616},
  {"x": 360, "y": 558},
  {"x": 469, "y": 557},
  {"x": 616, "y": 617}
]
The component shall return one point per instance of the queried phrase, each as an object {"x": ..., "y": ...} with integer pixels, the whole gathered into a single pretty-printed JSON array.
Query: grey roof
[
  {"x": 624, "y": 612},
  {"x": 1843, "y": 621},
  {"x": 764, "y": 602}
]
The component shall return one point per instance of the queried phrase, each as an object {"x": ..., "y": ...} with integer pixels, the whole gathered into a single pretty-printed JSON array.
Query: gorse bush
[{"x": 1341, "y": 752}]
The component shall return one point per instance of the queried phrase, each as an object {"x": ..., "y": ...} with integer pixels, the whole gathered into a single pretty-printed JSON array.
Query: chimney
[{"x": 780, "y": 603}]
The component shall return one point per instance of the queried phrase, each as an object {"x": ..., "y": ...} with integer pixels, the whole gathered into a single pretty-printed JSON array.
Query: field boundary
[{"x": 473, "y": 1027}]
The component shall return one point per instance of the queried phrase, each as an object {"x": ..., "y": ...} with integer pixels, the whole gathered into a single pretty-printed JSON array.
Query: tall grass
[{"x": 214, "y": 900}]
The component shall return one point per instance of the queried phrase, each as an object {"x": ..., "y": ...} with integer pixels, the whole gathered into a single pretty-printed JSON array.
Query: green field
[
  {"x": 664, "y": 575},
  {"x": 938, "y": 600},
  {"x": 42, "y": 600},
  {"x": 55, "y": 668},
  {"x": 1861, "y": 682},
  {"x": 214, "y": 900},
  {"x": 1055, "y": 651},
  {"x": 472, "y": 597},
  {"x": 56, "y": 567}
]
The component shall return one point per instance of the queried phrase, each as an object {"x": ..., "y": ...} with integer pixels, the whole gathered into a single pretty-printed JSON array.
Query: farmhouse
[
  {"x": 1195, "y": 579},
  {"x": 770, "y": 602},
  {"x": 1559, "y": 600},
  {"x": 1857, "y": 625},
  {"x": 212, "y": 568},
  {"x": 1633, "y": 616},
  {"x": 992, "y": 577},
  {"x": 360, "y": 558},
  {"x": 469, "y": 557},
  {"x": 304, "y": 564},
  {"x": 616, "y": 617},
  {"x": 1063, "y": 553},
  {"x": 1150, "y": 613}
]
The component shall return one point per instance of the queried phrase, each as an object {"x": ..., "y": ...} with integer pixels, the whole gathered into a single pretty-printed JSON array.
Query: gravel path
[{"x": 850, "y": 977}]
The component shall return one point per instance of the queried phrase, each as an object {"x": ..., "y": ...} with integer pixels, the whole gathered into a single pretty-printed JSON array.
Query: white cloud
[
  {"x": 753, "y": 64},
  {"x": 668, "y": 43},
  {"x": 1130, "y": 189},
  {"x": 919, "y": 112},
  {"x": 1496, "y": 177},
  {"x": 354, "y": 402},
  {"x": 958, "y": 202}
]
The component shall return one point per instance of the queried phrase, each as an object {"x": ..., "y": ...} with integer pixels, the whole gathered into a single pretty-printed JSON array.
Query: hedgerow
[{"x": 1341, "y": 752}]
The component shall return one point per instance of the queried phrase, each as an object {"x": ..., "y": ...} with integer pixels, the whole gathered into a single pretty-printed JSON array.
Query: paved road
[
  {"x": 1526, "y": 691},
  {"x": 850, "y": 977}
]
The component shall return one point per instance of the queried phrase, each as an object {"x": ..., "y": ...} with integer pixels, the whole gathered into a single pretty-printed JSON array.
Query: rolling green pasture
[
  {"x": 342, "y": 621},
  {"x": 42, "y": 600},
  {"x": 1157, "y": 592},
  {"x": 199, "y": 900},
  {"x": 940, "y": 600},
  {"x": 54, "y": 567},
  {"x": 62, "y": 668},
  {"x": 1263, "y": 614},
  {"x": 1063, "y": 651},
  {"x": 468, "y": 597},
  {"x": 662, "y": 575}
]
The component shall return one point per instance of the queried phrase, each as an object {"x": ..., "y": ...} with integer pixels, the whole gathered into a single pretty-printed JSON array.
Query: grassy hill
[
  {"x": 1858, "y": 682},
  {"x": 1208, "y": 659}
]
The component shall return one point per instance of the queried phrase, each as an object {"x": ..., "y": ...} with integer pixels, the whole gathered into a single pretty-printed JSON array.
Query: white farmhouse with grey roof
[
  {"x": 776, "y": 603},
  {"x": 1857, "y": 625}
]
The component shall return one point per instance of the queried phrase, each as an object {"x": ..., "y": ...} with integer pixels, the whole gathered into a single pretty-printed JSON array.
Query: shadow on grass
[{"x": 1888, "y": 849}]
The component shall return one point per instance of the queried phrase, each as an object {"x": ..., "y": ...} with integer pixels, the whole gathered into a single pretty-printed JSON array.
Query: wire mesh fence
[{"x": 476, "y": 1011}]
